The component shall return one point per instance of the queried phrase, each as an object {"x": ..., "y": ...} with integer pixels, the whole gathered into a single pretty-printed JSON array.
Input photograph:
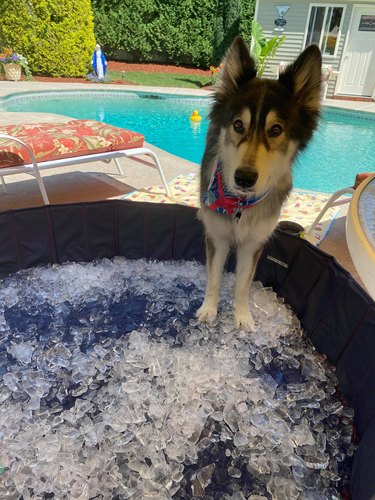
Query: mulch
[
  {"x": 122, "y": 66},
  {"x": 156, "y": 68}
]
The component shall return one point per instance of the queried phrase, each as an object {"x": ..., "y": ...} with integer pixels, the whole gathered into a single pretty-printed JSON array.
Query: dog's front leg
[
  {"x": 216, "y": 253},
  {"x": 247, "y": 257}
]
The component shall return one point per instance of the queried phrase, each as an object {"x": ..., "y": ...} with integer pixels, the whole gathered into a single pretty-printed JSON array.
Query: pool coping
[
  {"x": 9, "y": 88},
  {"x": 115, "y": 93},
  {"x": 141, "y": 94}
]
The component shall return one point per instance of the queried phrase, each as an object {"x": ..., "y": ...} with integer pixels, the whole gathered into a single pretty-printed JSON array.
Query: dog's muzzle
[{"x": 245, "y": 179}]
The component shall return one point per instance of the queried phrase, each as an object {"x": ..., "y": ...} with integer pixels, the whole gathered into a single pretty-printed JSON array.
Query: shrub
[
  {"x": 56, "y": 36},
  {"x": 180, "y": 31},
  {"x": 186, "y": 31},
  {"x": 227, "y": 26},
  {"x": 125, "y": 25},
  {"x": 183, "y": 31}
]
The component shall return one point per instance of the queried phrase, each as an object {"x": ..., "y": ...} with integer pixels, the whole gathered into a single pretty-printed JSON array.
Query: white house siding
[{"x": 296, "y": 19}]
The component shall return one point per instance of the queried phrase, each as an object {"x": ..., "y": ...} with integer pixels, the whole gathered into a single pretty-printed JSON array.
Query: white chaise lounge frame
[{"x": 34, "y": 168}]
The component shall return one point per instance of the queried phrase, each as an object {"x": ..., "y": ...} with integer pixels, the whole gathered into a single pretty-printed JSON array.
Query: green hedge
[
  {"x": 195, "y": 32},
  {"x": 56, "y": 36}
]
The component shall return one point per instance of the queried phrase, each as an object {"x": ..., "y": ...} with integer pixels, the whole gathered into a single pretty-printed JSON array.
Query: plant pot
[{"x": 12, "y": 71}]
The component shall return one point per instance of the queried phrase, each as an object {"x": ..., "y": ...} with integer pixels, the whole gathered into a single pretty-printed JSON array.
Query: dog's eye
[
  {"x": 275, "y": 131},
  {"x": 238, "y": 127}
]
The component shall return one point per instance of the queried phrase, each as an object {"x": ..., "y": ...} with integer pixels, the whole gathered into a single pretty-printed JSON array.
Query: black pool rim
[{"x": 336, "y": 313}]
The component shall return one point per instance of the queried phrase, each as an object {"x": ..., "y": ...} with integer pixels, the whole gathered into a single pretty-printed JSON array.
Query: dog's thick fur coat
[{"x": 257, "y": 127}]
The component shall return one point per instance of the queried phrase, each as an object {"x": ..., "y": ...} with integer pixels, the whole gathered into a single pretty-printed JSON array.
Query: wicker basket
[{"x": 12, "y": 71}]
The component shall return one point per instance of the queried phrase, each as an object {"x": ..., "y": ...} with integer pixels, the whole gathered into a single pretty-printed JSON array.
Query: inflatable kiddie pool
[{"x": 335, "y": 312}]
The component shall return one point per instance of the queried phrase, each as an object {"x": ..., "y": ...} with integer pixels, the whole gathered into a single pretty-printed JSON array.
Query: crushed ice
[{"x": 111, "y": 389}]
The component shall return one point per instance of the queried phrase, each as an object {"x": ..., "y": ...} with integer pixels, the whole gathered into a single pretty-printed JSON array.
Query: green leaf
[
  {"x": 2, "y": 470},
  {"x": 256, "y": 50},
  {"x": 274, "y": 44},
  {"x": 257, "y": 33}
]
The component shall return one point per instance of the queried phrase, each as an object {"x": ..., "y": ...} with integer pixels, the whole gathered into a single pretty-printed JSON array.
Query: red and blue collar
[{"x": 219, "y": 199}]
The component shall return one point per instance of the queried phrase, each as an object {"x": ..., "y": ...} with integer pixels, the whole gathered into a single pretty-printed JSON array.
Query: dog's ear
[
  {"x": 238, "y": 68},
  {"x": 304, "y": 77}
]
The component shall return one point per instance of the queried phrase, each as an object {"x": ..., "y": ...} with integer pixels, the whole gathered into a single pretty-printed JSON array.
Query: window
[
  {"x": 324, "y": 28},
  {"x": 367, "y": 23}
]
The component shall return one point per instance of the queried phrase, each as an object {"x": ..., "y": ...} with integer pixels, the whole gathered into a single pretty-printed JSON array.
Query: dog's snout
[{"x": 245, "y": 178}]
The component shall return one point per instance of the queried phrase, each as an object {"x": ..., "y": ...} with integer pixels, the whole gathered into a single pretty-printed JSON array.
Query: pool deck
[{"x": 98, "y": 181}]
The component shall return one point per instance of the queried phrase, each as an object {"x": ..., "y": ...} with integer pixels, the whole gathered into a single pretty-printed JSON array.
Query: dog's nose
[{"x": 245, "y": 178}]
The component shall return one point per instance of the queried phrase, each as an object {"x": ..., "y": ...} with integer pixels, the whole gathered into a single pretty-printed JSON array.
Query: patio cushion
[
  {"x": 53, "y": 141},
  {"x": 359, "y": 178}
]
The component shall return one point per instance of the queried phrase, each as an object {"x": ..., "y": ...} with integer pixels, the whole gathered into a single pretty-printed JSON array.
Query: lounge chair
[
  {"x": 35, "y": 147},
  {"x": 336, "y": 200}
]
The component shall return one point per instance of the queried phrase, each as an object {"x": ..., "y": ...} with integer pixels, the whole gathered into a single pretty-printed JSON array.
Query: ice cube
[
  {"x": 172, "y": 408},
  {"x": 22, "y": 352},
  {"x": 204, "y": 475}
]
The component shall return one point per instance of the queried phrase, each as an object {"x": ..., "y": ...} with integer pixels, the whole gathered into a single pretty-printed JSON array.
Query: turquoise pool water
[{"x": 343, "y": 145}]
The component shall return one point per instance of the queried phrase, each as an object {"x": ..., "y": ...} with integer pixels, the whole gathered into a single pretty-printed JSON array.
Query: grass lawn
[{"x": 160, "y": 79}]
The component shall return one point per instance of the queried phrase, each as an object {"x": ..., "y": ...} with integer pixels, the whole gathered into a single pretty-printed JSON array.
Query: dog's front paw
[
  {"x": 244, "y": 320},
  {"x": 206, "y": 313}
]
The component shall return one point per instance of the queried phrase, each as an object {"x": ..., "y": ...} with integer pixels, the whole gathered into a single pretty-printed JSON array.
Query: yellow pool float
[{"x": 195, "y": 116}]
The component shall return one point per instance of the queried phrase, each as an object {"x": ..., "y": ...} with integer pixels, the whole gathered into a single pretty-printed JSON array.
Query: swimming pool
[{"x": 342, "y": 146}]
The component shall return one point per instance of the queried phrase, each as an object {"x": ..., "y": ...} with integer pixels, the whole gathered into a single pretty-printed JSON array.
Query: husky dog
[{"x": 257, "y": 127}]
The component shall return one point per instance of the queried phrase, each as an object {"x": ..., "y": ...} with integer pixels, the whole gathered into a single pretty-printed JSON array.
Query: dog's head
[{"x": 261, "y": 124}]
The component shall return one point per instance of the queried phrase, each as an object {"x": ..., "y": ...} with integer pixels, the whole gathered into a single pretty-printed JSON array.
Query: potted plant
[
  {"x": 261, "y": 48},
  {"x": 13, "y": 63}
]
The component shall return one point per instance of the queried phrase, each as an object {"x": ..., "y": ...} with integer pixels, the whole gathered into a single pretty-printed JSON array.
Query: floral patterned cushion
[{"x": 53, "y": 141}]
